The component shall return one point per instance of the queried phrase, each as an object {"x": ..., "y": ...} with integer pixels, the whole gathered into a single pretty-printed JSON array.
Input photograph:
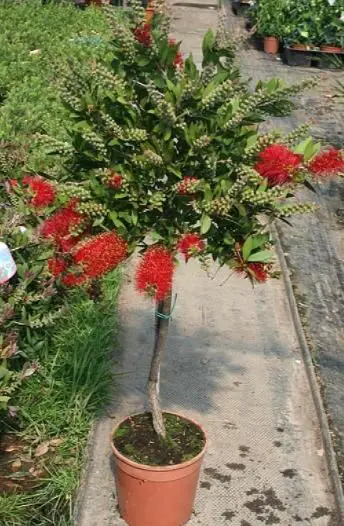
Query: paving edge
[
  {"x": 312, "y": 378},
  {"x": 84, "y": 475}
]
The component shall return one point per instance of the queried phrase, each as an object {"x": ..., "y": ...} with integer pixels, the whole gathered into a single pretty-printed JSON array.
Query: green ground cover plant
[{"x": 35, "y": 42}]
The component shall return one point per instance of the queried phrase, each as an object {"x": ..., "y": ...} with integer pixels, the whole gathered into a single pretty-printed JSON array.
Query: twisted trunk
[{"x": 161, "y": 332}]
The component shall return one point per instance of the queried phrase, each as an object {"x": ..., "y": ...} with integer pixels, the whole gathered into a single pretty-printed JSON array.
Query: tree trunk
[{"x": 161, "y": 331}]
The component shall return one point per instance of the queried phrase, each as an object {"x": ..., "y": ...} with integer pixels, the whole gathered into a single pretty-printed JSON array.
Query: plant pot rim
[
  {"x": 328, "y": 46},
  {"x": 147, "y": 467}
]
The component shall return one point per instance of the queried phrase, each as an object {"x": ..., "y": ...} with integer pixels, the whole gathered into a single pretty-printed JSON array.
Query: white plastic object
[{"x": 7, "y": 264}]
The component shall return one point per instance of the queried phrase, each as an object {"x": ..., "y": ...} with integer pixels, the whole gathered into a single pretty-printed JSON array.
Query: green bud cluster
[
  {"x": 156, "y": 200},
  {"x": 52, "y": 144},
  {"x": 181, "y": 125},
  {"x": 296, "y": 88},
  {"x": 94, "y": 140},
  {"x": 8, "y": 161},
  {"x": 75, "y": 191},
  {"x": 262, "y": 142},
  {"x": 91, "y": 209},
  {"x": 164, "y": 109},
  {"x": 202, "y": 142},
  {"x": 207, "y": 74},
  {"x": 297, "y": 208},
  {"x": 219, "y": 206},
  {"x": 218, "y": 94},
  {"x": 189, "y": 89},
  {"x": 71, "y": 100},
  {"x": 268, "y": 197},
  {"x": 123, "y": 36},
  {"x": 246, "y": 107},
  {"x": 147, "y": 158},
  {"x": 112, "y": 126},
  {"x": 296, "y": 134},
  {"x": 252, "y": 176},
  {"x": 74, "y": 80},
  {"x": 135, "y": 135},
  {"x": 106, "y": 79},
  {"x": 138, "y": 12},
  {"x": 153, "y": 158}
]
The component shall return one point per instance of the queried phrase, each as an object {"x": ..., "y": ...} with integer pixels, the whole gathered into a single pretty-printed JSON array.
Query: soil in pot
[
  {"x": 136, "y": 439},
  {"x": 300, "y": 47}
]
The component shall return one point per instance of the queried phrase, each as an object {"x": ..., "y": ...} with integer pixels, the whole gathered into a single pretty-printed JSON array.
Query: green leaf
[
  {"x": 259, "y": 240},
  {"x": 261, "y": 256},
  {"x": 247, "y": 248},
  {"x": 208, "y": 41},
  {"x": 208, "y": 194},
  {"x": 251, "y": 141},
  {"x": 307, "y": 148},
  {"x": 167, "y": 134},
  {"x": 134, "y": 217},
  {"x": 205, "y": 224}
]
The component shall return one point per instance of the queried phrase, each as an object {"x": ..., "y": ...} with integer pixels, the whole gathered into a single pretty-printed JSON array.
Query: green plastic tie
[{"x": 167, "y": 316}]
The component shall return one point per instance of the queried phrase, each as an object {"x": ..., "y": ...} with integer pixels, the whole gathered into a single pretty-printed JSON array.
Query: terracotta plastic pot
[
  {"x": 331, "y": 49},
  {"x": 149, "y": 14},
  {"x": 156, "y": 496},
  {"x": 271, "y": 45}
]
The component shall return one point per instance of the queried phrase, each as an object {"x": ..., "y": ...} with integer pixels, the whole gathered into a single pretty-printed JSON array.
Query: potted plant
[
  {"x": 166, "y": 160},
  {"x": 304, "y": 24},
  {"x": 333, "y": 31},
  {"x": 269, "y": 24}
]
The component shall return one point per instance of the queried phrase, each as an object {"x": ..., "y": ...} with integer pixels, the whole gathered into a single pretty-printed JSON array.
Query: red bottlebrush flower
[
  {"x": 278, "y": 164},
  {"x": 115, "y": 180},
  {"x": 190, "y": 244},
  {"x": 330, "y": 162},
  {"x": 154, "y": 273},
  {"x": 73, "y": 280},
  {"x": 43, "y": 192},
  {"x": 13, "y": 182},
  {"x": 56, "y": 266},
  {"x": 178, "y": 60},
  {"x": 256, "y": 272},
  {"x": 143, "y": 35},
  {"x": 187, "y": 186},
  {"x": 58, "y": 227},
  {"x": 100, "y": 254}
]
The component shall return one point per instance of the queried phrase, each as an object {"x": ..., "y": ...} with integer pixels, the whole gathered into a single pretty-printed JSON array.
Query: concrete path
[
  {"x": 315, "y": 247},
  {"x": 233, "y": 363}
]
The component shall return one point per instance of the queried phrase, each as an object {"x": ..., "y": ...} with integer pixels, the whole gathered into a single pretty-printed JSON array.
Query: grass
[
  {"x": 61, "y": 401},
  {"x": 35, "y": 41}
]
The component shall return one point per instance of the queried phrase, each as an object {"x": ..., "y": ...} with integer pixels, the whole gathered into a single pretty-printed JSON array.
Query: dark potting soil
[{"x": 136, "y": 439}]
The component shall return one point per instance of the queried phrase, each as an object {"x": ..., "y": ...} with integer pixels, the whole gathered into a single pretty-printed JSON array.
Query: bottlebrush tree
[{"x": 166, "y": 158}]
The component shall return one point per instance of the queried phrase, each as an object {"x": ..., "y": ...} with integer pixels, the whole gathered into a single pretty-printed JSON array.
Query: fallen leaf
[
  {"x": 16, "y": 465},
  {"x": 42, "y": 449},
  {"x": 37, "y": 473},
  {"x": 11, "y": 448}
]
